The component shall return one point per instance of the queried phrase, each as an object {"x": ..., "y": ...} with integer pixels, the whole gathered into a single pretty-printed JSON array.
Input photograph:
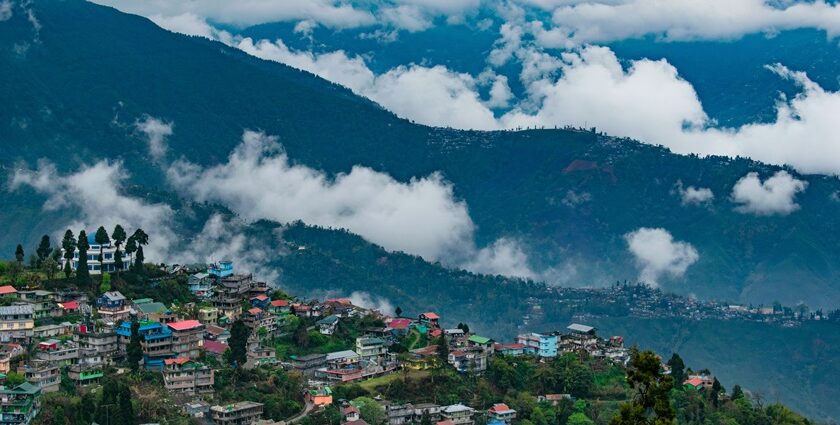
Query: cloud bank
[
  {"x": 694, "y": 195},
  {"x": 774, "y": 196},
  {"x": 657, "y": 254},
  {"x": 155, "y": 131}
]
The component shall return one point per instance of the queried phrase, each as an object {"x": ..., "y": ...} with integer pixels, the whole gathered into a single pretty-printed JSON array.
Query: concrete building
[
  {"x": 17, "y": 323},
  {"x": 229, "y": 293},
  {"x": 241, "y": 413},
  {"x": 184, "y": 376},
  {"x": 371, "y": 348},
  {"x": 543, "y": 345},
  {"x": 94, "y": 265},
  {"x": 458, "y": 414},
  {"x": 19, "y": 405},
  {"x": 187, "y": 338},
  {"x": 113, "y": 307},
  {"x": 44, "y": 375}
]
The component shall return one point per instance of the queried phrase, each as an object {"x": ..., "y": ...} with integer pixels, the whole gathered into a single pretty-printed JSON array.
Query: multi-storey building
[
  {"x": 229, "y": 293},
  {"x": 43, "y": 302},
  {"x": 62, "y": 353},
  {"x": 84, "y": 374},
  {"x": 113, "y": 307},
  {"x": 458, "y": 414},
  {"x": 97, "y": 346},
  {"x": 17, "y": 323},
  {"x": 20, "y": 404},
  {"x": 187, "y": 338},
  {"x": 156, "y": 342},
  {"x": 208, "y": 315},
  {"x": 95, "y": 266},
  {"x": 201, "y": 285},
  {"x": 185, "y": 376},
  {"x": 45, "y": 375},
  {"x": 241, "y": 413},
  {"x": 543, "y": 345},
  {"x": 502, "y": 413},
  {"x": 369, "y": 348}
]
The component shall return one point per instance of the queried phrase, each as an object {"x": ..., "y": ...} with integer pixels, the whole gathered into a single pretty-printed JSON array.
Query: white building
[{"x": 94, "y": 266}]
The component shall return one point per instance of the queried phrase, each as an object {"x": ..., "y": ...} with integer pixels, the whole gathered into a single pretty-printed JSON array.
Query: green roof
[
  {"x": 152, "y": 307},
  {"x": 142, "y": 301},
  {"x": 479, "y": 339}
]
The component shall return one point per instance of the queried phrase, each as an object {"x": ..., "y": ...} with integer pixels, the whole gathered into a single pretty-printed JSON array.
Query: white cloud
[
  {"x": 429, "y": 95},
  {"x": 776, "y": 195},
  {"x": 155, "y": 132},
  {"x": 224, "y": 238},
  {"x": 583, "y": 22},
  {"x": 420, "y": 217},
  {"x": 505, "y": 257},
  {"x": 94, "y": 193},
  {"x": 694, "y": 195},
  {"x": 258, "y": 181},
  {"x": 370, "y": 302},
  {"x": 5, "y": 10},
  {"x": 657, "y": 254}
]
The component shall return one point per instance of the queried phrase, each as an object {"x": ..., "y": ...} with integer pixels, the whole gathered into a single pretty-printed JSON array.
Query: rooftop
[
  {"x": 185, "y": 325},
  {"x": 478, "y": 339}
]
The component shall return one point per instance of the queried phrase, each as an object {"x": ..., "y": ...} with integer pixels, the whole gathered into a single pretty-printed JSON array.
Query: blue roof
[{"x": 146, "y": 329}]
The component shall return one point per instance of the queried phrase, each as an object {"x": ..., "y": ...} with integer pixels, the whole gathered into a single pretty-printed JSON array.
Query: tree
[
  {"x": 43, "y": 250},
  {"x": 398, "y": 311},
  {"x": 19, "y": 255},
  {"x": 14, "y": 270},
  {"x": 464, "y": 327},
  {"x": 579, "y": 418},
  {"x": 714, "y": 394},
  {"x": 50, "y": 268},
  {"x": 425, "y": 419},
  {"x": 119, "y": 236},
  {"x": 443, "y": 349},
  {"x": 105, "y": 285},
  {"x": 69, "y": 246},
  {"x": 130, "y": 249},
  {"x": 126, "y": 408},
  {"x": 677, "y": 368},
  {"x": 138, "y": 260},
  {"x": 737, "y": 392},
  {"x": 134, "y": 350},
  {"x": 238, "y": 343},
  {"x": 371, "y": 411},
  {"x": 82, "y": 272},
  {"x": 101, "y": 238},
  {"x": 14, "y": 379},
  {"x": 652, "y": 404}
]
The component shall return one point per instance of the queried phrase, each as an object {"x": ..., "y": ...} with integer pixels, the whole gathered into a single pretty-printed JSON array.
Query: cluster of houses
[{"x": 92, "y": 334}]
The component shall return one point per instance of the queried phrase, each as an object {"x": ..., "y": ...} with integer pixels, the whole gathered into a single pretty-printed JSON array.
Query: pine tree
[
  {"x": 126, "y": 409},
  {"x": 130, "y": 249},
  {"x": 134, "y": 350},
  {"x": 101, "y": 238},
  {"x": 677, "y": 368},
  {"x": 82, "y": 272},
  {"x": 652, "y": 402},
  {"x": 118, "y": 237},
  {"x": 138, "y": 260},
  {"x": 238, "y": 343},
  {"x": 19, "y": 254},
  {"x": 398, "y": 312},
  {"x": 44, "y": 249},
  {"x": 69, "y": 246}
]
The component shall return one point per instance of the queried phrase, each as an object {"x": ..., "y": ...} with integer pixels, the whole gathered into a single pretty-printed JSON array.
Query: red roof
[
  {"x": 345, "y": 301},
  {"x": 446, "y": 422},
  {"x": 184, "y": 325},
  {"x": 279, "y": 303},
  {"x": 215, "y": 347},
  {"x": 499, "y": 408},
  {"x": 399, "y": 323},
  {"x": 260, "y": 297},
  {"x": 694, "y": 382},
  {"x": 349, "y": 409},
  {"x": 510, "y": 346},
  {"x": 177, "y": 360},
  {"x": 7, "y": 289},
  {"x": 430, "y": 315},
  {"x": 70, "y": 305},
  {"x": 254, "y": 311},
  {"x": 435, "y": 333}
]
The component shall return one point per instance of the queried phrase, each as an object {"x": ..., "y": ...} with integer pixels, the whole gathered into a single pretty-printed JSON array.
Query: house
[
  {"x": 229, "y": 293},
  {"x": 458, "y": 414},
  {"x": 515, "y": 349},
  {"x": 69, "y": 307},
  {"x": 197, "y": 409},
  {"x": 156, "y": 341},
  {"x": 320, "y": 396},
  {"x": 62, "y": 353},
  {"x": 279, "y": 307},
  {"x": 699, "y": 382},
  {"x": 262, "y": 301},
  {"x": 484, "y": 343},
  {"x": 208, "y": 315},
  {"x": 328, "y": 324},
  {"x": 259, "y": 356},
  {"x": 542, "y": 345},
  {"x": 8, "y": 291},
  {"x": 350, "y": 413},
  {"x": 240, "y": 413},
  {"x": 371, "y": 348},
  {"x": 184, "y": 376},
  {"x": 19, "y": 405},
  {"x": 152, "y": 311},
  {"x": 200, "y": 284},
  {"x": 471, "y": 359},
  {"x": 108, "y": 263},
  {"x": 429, "y": 319},
  {"x": 501, "y": 412},
  {"x": 553, "y": 399},
  {"x": 399, "y": 326},
  {"x": 101, "y": 345},
  {"x": 17, "y": 323},
  {"x": 220, "y": 269},
  {"x": 113, "y": 307},
  {"x": 45, "y": 375},
  {"x": 309, "y": 363},
  {"x": 84, "y": 374},
  {"x": 216, "y": 333},
  {"x": 215, "y": 348},
  {"x": 43, "y": 302},
  {"x": 187, "y": 338}
]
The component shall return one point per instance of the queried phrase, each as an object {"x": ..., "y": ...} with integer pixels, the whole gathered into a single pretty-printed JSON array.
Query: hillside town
[{"x": 225, "y": 332}]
